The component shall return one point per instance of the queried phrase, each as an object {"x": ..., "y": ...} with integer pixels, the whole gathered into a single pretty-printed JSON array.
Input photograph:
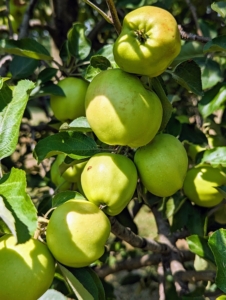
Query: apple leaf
[
  {"x": 12, "y": 106},
  {"x": 25, "y": 47},
  {"x": 188, "y": 75},
  {"x": 199, "y": 245},
  {"x": 79, "y": 124},
  {"x": 217, "y": 244},
  {"x": 214, "y": 157},
  {"x": 64, "y": 196},
  {"x": 189, "y": 50},
  {"x": 220, "y": 8},
  {"x": 90, "y": 281},
  {"x": 216, "y": 44},
  {"x": 48, "y": 88},
  {"x": 17, "y": 209},
  {"x": 76, "y": 144},
  {"x": 47, "y": 74},
  {"x": 91, "y": 72},
  {"x": 78, "y": 44},
  {"x": 77, "y": 287},
  {"x": 211, "y": 72},
  {"x": 213, "y": 100},
  {"x": 99, "y": 61},
  {"x": 52, "y": 295},
  {"x": 22, "y": 67}
]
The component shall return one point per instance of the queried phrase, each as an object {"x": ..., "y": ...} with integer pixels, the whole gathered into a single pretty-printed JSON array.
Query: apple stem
[{"x": 103, "y": 14}]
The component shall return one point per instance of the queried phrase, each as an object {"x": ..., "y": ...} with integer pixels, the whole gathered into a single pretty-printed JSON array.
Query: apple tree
[{"x": 113, "y": 149}]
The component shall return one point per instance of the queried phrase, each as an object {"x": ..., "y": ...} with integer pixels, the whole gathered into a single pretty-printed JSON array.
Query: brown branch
[
  {"x": 137, "y": 262},
  {"x": 193, "y": 12},
  {"x": 175, "y": 260},
  {"x": 135, "y": 240},
  {"x": 114, "y": 16},
  {"x": 161, "y": 278},
  {"x": 26, "y": 18},
  {"x": 192, "y": 37},
  {"x": 193, "y": 276}
]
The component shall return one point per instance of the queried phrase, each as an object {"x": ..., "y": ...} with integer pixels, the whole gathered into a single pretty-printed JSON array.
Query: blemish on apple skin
[{"x": 90, "y": 167}]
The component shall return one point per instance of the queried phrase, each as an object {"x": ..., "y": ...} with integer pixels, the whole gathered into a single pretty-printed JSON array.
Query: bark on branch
[{"x": 135, "y": 240}]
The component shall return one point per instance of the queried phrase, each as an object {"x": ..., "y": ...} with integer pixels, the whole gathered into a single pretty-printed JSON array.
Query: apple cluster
[{"x": 121, "y": 111}]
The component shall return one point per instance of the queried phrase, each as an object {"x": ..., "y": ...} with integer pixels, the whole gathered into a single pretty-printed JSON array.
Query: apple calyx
[{"x": 141, "y": 35}]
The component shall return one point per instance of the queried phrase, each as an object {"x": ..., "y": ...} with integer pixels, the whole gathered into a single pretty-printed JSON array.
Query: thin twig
[
  {"x": 114, "y": 16},
  {"x": 137, "y": 262},
  {"x": 161, "y": 278},
  {"x": 192, "y": 37},
  {"x": 135, "y": 240},
  {"x": 103, "y": 14},
  {"x": 193, "y": 12},
  {"x": 27, "y": 16}
]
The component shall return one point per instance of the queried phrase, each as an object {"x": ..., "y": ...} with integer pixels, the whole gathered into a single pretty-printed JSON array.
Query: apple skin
[
  {"x": 148, "y": 43},
  {"x": 61, "y": 183},
  {"x": 162, "y": 165},
  {"x": 199, "y": 185},
  {"x": 121, "y": 111},
  {"x": 109, "y": 180},
  {"x": 71, "y": 106},
  {"x": 27, "y": 270},
  {"x": 77, "y": 232}
]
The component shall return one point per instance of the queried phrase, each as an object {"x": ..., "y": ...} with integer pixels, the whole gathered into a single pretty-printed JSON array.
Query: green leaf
[
  {"x": 25, "y": 47},
  {"x": 47, "y": 74},
  {"x": 76, "y": 145},
  {"x": 107, "y": 51},
  {"x": 77, "y": 287},
  {"x": 79, "y": 124},
  {"x": 17, "y": 209},
  {"x": 99, "y": 61},
  {"x": 220, "y": 8},
  {"x": 91, "y": 72},
  {"x": 12, "y": 106},
  {"x": 90, "y": 281},
  {"x": 217, "y": 243},
  {"x": 188, "y": 75},
  {"x": 78, "y": 44},
  {"x": 199, "y": 245},
  {"x": 211, "y": 72},
  {"x": 215, "y": 156},
  {"x": 22, "y": 67},
  {"x": 172, "y": 204},
  {"x": 216, "y": 44},
  {"x": 213, "y": 100},
  {"x": 48, "y": 88},
  {"x": 52, "y": 295},
  {"x": 189, "y": 50},
  {"x": 64, "y": 196}
]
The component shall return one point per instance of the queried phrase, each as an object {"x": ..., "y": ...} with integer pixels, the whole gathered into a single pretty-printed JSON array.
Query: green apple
[
  {"x": 27, "y": 269},
  {"x": 70, "y": 106},
  {"x": 162, "y": 165},
  {"x": 77, "y": 233},
  {"x": 199, "y": 185},
  {"x": 121, "y": 111},
  {"x": 149, "y": 41},
  {"x": 109, "y": 180},
  {"x": 61, "y": 183}
]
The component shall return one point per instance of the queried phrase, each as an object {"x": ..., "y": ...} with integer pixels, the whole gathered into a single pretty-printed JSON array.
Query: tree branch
[
  {"x": 26, "y": 18},
  {"x": 175, "y": 261},
  {"x": 135, "y": 240},
  {"x": 114, "y": 16},
  {"x": 137, "y": 262},
  {"x": 192, "y": 37}
]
